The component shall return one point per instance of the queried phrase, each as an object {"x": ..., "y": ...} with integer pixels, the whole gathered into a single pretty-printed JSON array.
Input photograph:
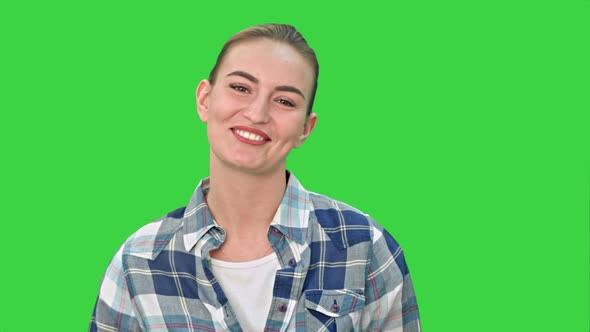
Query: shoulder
[
  {"x": 347, "y": 226},
  {"x": 343, "y": 223},
  {"x": 150, "y": 239}
]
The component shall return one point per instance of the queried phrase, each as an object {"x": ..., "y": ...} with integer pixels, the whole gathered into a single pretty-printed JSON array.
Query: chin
[{"x": 255, "y": 168}]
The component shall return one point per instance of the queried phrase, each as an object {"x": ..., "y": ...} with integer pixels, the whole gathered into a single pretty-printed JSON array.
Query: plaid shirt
[{"x": 340, "y": 271}]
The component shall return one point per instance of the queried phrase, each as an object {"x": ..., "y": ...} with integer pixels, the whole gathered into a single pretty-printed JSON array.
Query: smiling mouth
[{"x": 249, "y": 135}]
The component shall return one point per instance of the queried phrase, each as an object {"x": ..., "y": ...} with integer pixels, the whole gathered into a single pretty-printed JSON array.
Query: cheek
[
  {"x": 292, "y": 128},
  {"x": 224, "y": 105}
]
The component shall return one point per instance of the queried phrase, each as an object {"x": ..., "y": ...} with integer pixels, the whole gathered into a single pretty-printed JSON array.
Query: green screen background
[{"x": 461, "y": 126}]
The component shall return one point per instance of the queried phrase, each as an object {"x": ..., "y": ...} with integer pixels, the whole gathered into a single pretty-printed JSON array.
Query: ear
[
  {"x": 202, "y": 93},
  {"x": 308, "y": 127}
]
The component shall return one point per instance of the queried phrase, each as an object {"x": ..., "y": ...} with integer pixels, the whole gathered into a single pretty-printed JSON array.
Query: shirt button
[
  {"x": 335, "y": 308},
  {"x": 292, "y": 262},
  {"x": 282, "y": 307}
]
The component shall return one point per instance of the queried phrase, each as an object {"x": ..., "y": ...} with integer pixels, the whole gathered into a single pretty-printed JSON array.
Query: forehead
[{"x": 271, "y": 62}]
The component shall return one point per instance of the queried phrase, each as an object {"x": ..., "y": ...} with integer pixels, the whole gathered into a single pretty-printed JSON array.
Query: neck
[{"x": 245, "y": 203}]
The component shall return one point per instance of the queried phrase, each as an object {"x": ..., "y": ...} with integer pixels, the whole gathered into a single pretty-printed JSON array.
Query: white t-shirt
[{"x": 248, "y": 287}]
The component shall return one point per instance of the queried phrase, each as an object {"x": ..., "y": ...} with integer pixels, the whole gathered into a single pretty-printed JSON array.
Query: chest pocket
[{"x": 333, "y": 310}]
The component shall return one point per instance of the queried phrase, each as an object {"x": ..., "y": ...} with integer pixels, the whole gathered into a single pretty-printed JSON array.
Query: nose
[{"x": 258, "y": 110}]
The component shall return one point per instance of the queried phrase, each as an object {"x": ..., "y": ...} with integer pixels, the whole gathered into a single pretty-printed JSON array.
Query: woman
[{"x": 253, "y": 250}]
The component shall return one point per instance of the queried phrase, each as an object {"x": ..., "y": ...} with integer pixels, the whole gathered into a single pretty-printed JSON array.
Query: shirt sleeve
[
  {"x": 390, "y": 300},
  {"x": 114, "y": 310}
]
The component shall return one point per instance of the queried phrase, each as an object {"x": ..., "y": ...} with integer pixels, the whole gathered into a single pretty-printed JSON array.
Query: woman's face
[{"x": 256, "y": 110}]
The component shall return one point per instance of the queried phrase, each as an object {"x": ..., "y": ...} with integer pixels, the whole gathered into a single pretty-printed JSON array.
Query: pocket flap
[{"x": 334, "y": 302}]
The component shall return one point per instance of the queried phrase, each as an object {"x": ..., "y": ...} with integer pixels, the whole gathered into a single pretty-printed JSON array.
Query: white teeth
[{"x": 249, "y": 135}]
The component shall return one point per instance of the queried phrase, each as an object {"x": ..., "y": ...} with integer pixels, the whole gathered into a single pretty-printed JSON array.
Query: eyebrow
[
  {"x": 244, "y": 75},
  {"x": 251, "y": 78},
  {"x": 289, "y": 88}
]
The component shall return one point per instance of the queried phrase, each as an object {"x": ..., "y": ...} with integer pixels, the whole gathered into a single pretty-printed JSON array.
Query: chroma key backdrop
[{"x": 461, "y": 126}]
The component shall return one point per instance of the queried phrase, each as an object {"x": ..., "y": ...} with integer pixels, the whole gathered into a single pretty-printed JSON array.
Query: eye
[
  {"x": 239, "y": 88},
  {"x": 286, "y": 102}
]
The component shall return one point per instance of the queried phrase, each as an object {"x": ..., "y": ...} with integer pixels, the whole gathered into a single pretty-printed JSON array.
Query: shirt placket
[
  {"x": 288, "y": 281},
  {"x": 210, "y": 291}
]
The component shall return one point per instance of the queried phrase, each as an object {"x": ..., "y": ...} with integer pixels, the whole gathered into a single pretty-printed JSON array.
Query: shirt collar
[{"x": 291, "y": 217}]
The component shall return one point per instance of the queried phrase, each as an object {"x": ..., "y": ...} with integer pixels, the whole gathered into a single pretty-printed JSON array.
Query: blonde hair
[{"x": 279, "y": 32}]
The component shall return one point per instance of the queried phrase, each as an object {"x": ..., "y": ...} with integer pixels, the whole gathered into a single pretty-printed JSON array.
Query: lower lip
[{"x": 247, "y": 141}]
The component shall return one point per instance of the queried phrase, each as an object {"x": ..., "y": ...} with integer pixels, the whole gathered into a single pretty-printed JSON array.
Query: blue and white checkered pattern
[{"x": 340, "y": 271}]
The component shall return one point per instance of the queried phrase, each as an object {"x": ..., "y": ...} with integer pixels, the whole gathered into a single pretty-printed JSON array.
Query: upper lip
[{"x": 253, "y": 130}]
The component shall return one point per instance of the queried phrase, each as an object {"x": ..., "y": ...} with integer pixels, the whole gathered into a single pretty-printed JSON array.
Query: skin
[{"x": 261, "y": 91}]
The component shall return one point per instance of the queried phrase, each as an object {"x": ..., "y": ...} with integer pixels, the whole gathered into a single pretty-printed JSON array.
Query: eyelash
[
  {"x": 286, "y": 102},
  {"x": 239, "y": 88},
  {"x": 243, "y": 89}
]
